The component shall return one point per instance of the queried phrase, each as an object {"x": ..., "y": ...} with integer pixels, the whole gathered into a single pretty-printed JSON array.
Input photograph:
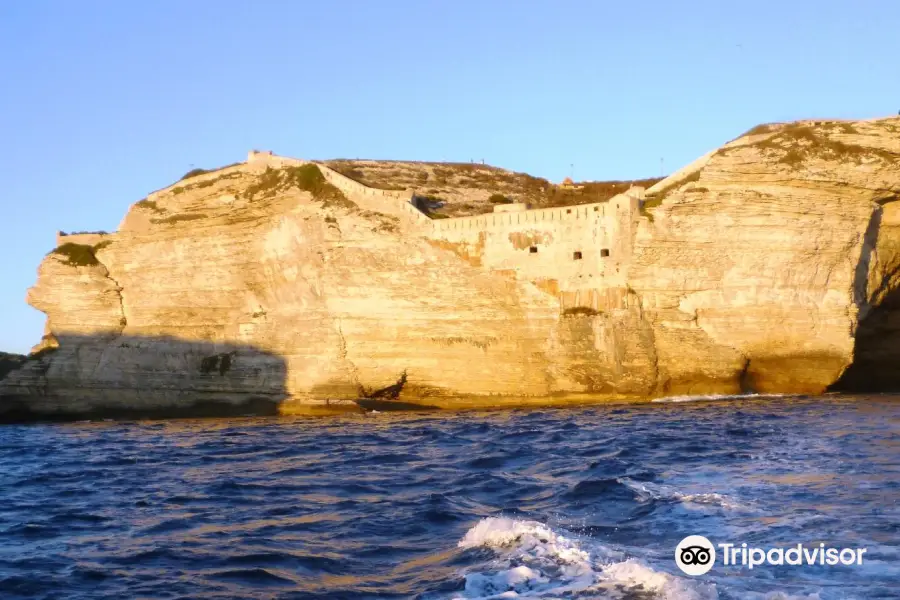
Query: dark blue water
[{"x": 569, "y": 503}]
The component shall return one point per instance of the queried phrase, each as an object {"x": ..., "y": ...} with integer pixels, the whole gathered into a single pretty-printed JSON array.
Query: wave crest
[{"x": 537, "y": 562}]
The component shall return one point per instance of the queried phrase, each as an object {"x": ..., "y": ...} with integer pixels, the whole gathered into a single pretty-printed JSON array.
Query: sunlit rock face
[
  {"x": 764, "y": 257},
  {"x": 768, "y": 265}
]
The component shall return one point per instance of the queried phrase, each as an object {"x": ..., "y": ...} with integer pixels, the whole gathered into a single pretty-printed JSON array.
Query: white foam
[
  {"x": 534, "y": 561},
  {"x": 714, "y": 397},
  {"x": 655, "y": 491},
  {"x": 783, "y": 596}
]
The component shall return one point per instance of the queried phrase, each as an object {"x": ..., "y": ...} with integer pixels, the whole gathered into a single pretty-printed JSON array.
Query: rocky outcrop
[
  {"x": 759, "y": 264},
  {"x": 767, "y": 265},
  {"x": 10, "y": 362}
]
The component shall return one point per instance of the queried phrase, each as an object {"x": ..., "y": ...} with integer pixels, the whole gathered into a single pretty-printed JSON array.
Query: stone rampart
[
  {"x": 351, "y": 186},
  {"x": 397, "y": 203},
  {"x": 627, "y": 202},
  {"x": 260, "y": 161},
  {"x": 582, "y": 253}
]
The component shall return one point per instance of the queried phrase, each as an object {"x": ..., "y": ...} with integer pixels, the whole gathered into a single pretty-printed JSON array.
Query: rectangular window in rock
[
  {"x": 604, "y": 252},
  {"x": 533, "y": 249},
  {"x": 576, "y": 255}
]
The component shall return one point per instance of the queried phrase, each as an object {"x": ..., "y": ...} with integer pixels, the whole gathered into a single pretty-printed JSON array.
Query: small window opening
[
  {"x": 604, "y": 252},
  {"x": 576, "y": 255},
  {"x": 596, "y": 208},
  {"x": 568, "y": 211},
  {"x": 533, "y": 249}
]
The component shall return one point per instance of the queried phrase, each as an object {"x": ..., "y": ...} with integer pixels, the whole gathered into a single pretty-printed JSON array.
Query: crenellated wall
[
  {"x": 397, "y": 203},
  {"x": 581, "y": 252},
  {"x": 258, "y": 160}
]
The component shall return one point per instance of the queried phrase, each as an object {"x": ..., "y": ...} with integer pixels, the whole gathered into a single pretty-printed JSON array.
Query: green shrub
[
  {"x": 267, "y": 184},
  {"x": 149, "y": 204},
  {"x": 847, "y": 128},
  {"x": 194, "y": 173},
  {"x": 77, "y": 255},
  {"x": 796, "y": 143},
  {"x": 764, "y": 128},
  {"x": 307, "y": 177},
  {"x": 499, "y": 199},
  {"x": 179, "y": 218},
  {"x": 310, "y": 179}
]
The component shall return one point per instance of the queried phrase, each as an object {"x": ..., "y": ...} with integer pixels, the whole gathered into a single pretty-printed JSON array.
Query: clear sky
[{"x": 104, "y": 102}]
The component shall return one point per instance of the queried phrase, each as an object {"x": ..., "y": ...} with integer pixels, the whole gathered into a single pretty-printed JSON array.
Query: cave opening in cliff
[
  {"x": 533, "y": 250},
  {"x": 576, "y": 255}
]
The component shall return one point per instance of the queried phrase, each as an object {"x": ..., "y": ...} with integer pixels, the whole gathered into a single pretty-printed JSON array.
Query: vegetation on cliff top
[
  {"x": 306, "y": 177},
  {"x": 655, "y": 199},
  {"x": 179, "y": 218},
  {"x": 196, "y": 172},
  {"x": 473, "y": 188},
  {"x": 149, "y": 205},
  {"x": 77, "y": 255},
  {"x": 793, "y": 144}
]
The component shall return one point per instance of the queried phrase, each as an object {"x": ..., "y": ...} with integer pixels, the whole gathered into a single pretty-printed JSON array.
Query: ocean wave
[
  {"x": 714, "y": 397},
  {"x": 534, "y": 561},
  {"x": 646, "y": 491}
]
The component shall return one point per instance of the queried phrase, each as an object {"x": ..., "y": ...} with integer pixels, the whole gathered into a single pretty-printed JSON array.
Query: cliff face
[
  {"x": 770, "y": 264},
  {"x": 767, "y": 256}
]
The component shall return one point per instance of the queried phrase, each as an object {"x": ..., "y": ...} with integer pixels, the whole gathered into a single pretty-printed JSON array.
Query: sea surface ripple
[{"x": 562, "y": 503}]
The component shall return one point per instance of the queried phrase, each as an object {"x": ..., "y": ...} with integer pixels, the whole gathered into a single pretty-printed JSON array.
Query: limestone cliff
[
  {"x": 762, "y": 258},
  {"x": 770, "y": 265}
]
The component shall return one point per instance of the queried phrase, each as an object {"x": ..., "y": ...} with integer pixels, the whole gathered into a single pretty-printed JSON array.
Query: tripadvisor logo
[{"x": 696, "y": 555}]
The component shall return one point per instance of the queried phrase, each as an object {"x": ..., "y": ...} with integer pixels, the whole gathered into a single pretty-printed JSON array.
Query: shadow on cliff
[
  {"x": 876, "y": 353},
  {"x": 130, "y": 377}
]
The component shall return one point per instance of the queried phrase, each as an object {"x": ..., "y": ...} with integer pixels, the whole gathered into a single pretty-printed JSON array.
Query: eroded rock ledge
[{"x": 280, "y": 285}]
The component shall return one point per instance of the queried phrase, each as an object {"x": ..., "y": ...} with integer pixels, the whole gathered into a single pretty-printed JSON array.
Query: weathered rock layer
[{"x": 769, "y": 265}]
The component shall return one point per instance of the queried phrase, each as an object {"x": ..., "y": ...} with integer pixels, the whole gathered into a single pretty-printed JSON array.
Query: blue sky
[{"x": 103, "y": 102}]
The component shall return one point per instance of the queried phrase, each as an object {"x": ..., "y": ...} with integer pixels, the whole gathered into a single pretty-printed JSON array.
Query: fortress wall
[
  {"x": 263, "y": 160},
  {"x": 351, "y": 186},
  {"x": 585, "y": 249},
  {"x": 414, "y": 216},
  {"x": 391, "y": 202},
  {"x": 456, "y": 227},
  {"x": 509, "y": 247}
]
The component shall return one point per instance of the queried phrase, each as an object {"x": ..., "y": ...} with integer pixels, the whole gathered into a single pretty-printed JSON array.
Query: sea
[{"x": 586, "y": 502}]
